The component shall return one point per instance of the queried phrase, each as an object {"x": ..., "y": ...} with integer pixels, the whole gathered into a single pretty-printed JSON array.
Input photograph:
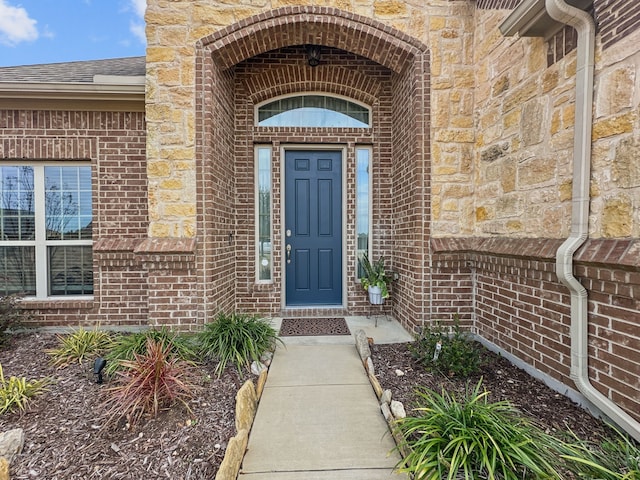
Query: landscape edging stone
[{"x": 246, "y": 408}]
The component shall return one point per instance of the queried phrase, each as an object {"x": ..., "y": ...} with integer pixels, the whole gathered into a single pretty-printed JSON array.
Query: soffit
[{"x": 530, "y": 19}]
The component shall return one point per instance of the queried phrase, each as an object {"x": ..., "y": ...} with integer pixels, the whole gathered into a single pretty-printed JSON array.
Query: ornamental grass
[{"x": 472, "y": 438}]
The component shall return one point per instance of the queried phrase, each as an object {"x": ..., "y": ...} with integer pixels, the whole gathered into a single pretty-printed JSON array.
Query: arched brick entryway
[{"x": 262, "y": 57}]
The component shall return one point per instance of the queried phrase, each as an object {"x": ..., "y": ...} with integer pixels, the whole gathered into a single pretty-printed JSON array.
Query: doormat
[{"x": 308, "y": 327}]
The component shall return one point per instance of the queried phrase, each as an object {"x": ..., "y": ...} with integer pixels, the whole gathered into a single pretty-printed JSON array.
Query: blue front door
[{"x": 313, "y": 227}]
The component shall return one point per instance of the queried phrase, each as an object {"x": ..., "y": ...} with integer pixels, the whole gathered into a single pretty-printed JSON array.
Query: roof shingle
[{"x": 73, "y": 72}]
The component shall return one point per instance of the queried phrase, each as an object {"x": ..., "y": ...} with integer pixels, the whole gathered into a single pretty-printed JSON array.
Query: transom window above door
[{"x": 313, "y": 111}]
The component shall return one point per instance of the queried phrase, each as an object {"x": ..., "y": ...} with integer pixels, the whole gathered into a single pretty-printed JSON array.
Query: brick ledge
[
  {"x": 520, "y": 247},
  {"x": 623, "y": 252},
  {"x": 166, "y": 245},
  {"x": 115, "y": 244},
  {"x": 61, "y": 303}
]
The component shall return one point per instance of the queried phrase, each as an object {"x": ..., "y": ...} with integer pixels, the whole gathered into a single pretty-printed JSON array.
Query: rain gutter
[
  {"x": 584, "y": 24},
  {"x": 68, "y": 91},
  {"x": 538, "y": 18}
]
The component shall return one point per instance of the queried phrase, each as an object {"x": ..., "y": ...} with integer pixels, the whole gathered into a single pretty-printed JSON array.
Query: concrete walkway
[{"x": 319, "y": 418}]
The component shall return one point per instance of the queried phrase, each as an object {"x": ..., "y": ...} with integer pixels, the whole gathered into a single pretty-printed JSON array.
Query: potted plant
[{"x": 375, "y": 279}]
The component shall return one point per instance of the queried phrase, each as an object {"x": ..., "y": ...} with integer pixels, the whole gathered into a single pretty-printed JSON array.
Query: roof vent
[{"x": 119, "y": 79}]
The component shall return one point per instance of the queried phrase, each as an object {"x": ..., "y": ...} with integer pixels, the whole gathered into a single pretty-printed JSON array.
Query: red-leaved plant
[{"x": 148, "y": 383}]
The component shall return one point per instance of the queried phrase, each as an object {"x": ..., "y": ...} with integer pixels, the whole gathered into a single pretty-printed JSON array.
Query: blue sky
[{"x": 50, "y": 31}]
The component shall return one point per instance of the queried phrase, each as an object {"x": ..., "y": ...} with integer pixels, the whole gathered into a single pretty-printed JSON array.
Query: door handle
[{"x": 288, "y": 249}]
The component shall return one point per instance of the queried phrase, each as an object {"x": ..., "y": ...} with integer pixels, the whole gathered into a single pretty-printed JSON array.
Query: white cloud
[
  {"x": 47, "y": 32},
  {"x": 138, "y": 31},
  {"x": 15, "y": 25},
  {"x": 139, "y": 6},
  {"x": 137, "y": 26}
]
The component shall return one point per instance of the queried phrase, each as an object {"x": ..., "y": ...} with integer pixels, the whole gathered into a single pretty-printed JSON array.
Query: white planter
[{"x": 375, "y": 295}]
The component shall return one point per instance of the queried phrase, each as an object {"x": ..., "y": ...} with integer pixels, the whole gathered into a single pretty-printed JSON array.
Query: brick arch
[
  {"x": 302, "y": 25},
  {"x": 336, "y": 80},
  {"x": 226, "y": 136}
]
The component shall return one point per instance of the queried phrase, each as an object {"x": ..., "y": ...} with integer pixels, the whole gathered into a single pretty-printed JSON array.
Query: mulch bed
[
  {"x": 504, "y": 381},
  {"x": 66, "y": 436}
]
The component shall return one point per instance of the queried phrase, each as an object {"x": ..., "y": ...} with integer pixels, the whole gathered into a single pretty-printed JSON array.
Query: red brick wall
[
  {"x": 508, "y": 292},
  {"x": 216, "y": 189},
  {"x": 497, "y": 4},
  {"x": 114, "y": 144},
  {"x": 452, "y": 288},
  {"x": 278, "y": 73},
  {"x": 616, "y": 19},
  {"x": 610, "y": 271},
  {"x": 122, "y": 298},
  {"x": 409, "y": 207},
  {"x": 397, "y": 165}
]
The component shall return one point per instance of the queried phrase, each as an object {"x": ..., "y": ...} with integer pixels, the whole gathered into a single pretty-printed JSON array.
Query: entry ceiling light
[{"x": 313, "y": 55}]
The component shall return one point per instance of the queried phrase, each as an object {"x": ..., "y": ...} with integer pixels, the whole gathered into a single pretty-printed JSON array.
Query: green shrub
[
  {"x": 80, "y": 344},
  {"x": 472, "y": 438},
  {"x": 10, "y": 315},
  {"x": 448, "y": 353},
  {"x": 609, "y": 459},
  {"x": 16, "y": 392},
  {"x": 149, "y": 382},
  {"x": 236, "y": 338},
  {"x": 126, "y": 346}
]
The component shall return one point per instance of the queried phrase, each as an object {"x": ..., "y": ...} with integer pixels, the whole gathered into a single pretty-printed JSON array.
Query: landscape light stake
[{"x": 98, "y": 366}]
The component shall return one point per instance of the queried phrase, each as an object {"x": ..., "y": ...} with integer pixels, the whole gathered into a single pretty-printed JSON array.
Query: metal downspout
[{"x": 584, "y": 24}]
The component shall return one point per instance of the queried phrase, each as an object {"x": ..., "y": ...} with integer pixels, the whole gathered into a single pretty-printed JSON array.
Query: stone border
[
  {"x": 392, "y": 410},
  {"x": 11, "y": 444},
  {"x": 247, "y": 400}
]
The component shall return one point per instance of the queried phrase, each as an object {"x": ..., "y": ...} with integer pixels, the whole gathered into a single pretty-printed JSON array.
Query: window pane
[
  {"x": 264, "y": 213},
  {"x": 60, "y": 198},
  {"x": 17, "y": 217},
  {"x": 68, "y": 202},
  {"x": 313, "y": 111},
  {"x": 17, "y": 270},
  {"x": 362, "y": 203},
  {"x": 70, "y": 270}
]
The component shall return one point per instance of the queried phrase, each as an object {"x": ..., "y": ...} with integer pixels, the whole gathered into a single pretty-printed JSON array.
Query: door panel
[
  {"x": 301, "y": 206},
  {"x": 302, "y": 265},
  {"x": 313, "y": 215},
  {"x": 325, "y": 270}
]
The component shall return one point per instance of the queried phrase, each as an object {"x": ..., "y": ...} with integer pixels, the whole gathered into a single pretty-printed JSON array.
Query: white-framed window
[
  {"x": 264, "y": 259},
  {"x": 46, "y": 229},
  {"x": 363, "y": 205},
  {"x": 313, "y": 110}
]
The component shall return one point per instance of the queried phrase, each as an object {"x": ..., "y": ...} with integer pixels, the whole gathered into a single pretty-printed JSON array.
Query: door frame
[{"x": 283, "y": 171}]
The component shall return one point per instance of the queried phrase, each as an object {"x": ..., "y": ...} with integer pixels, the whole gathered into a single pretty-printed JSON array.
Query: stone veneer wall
[
  {"x": 173, "y": 30},
  {"x": 114, "y": 144},
  {"x": 181, "y": 38},
  {"x": 524, "y": 140},
  {"x": 502, "y": 280}
]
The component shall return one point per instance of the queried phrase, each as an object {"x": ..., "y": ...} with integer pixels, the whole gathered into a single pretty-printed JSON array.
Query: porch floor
[{"x": 382, "y": 328}]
